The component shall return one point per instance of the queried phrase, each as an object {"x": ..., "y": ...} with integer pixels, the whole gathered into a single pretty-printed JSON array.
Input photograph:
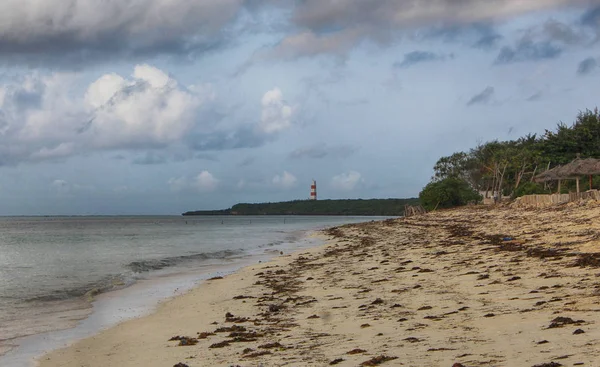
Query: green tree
[
  {"x": 508, "y": 167},
  {"x": 582, "y": 137},
  {"x": 447, "y": 193},
  {"x": 530, "y": 188}
]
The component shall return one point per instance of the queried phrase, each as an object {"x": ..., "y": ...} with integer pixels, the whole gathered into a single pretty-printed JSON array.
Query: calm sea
[{"x": 53, "y": 268}]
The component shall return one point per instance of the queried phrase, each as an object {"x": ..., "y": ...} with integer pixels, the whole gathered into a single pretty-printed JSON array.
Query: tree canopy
[
  {"x": 447, "y": 193},
  {"x": 382, "y": 207},
  {"x": 508, "y": 167}
]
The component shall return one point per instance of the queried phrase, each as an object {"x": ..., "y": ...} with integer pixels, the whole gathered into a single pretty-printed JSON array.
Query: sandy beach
[{"x": 477, "y": 286}]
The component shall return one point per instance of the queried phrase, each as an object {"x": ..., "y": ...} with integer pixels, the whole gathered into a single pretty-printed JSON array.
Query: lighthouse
[{"x": 313, "y": 190}]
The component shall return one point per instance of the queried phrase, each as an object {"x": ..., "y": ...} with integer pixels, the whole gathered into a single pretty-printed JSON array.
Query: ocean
[{"x": 64, "y": 278}]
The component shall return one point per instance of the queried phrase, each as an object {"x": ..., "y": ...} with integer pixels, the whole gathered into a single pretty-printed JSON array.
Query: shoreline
[
  {"x": 138, "y": 300},
  {"x": 478, "y": 286}
]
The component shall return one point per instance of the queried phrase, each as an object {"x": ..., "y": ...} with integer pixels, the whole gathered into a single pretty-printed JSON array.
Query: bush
[
  {"x": 530, "y": 188},
  {"x": 447, "y": 193}
]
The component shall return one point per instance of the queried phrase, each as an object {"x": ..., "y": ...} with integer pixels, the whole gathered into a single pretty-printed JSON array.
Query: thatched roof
[
  {"x": 578, "y": 167},
  {"x": 549, "y": 175}
]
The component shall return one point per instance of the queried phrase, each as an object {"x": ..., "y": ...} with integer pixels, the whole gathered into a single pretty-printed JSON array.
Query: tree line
[
  {"x": 370, "y": 207},
  {"x": 506, "y": 168}
]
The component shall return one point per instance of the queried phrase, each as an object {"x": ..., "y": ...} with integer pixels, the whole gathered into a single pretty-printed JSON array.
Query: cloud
[
  {"x": 528, "y": 51},
  {"x": 243, "y": 136},
  {"x": 487, "y": 41},
  {"x": 310, "y": 44},
  {"x": 276, "y": 113},
  {"x": 75, "y": 31},
  {"x": 478, "y": 35},
  {"x": 47, "y": 117},
  {"x": 322, "y": 150},
  {"x": 149, "y": 110},
  {"x": 483, "y": 97},
  {"x": 44, "y": 118},
  {"x": 591, "y": 17},
  {"x": 203, "y": 182},
  {"x": 586, "y": 66},
  {"x": 346, "y": 181},
  {"x": 326, "y": 14},
  {"x": 71, "y": 33},
  {"x": 284, "y": 181},
  {"x": 417, "y": 57},
  {"x": 335, "y": 27},
  {"x": 553, "y": 30}
]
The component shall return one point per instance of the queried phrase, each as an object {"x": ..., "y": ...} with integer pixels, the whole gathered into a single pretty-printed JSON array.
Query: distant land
[{"x": 375, "y": 207}]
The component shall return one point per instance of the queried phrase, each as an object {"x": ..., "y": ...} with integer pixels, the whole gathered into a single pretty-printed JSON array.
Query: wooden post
[
  {"x": 590, "y": 182},
  {"x": 559, "y": 186},
  {"x": 578, "y": 184}
]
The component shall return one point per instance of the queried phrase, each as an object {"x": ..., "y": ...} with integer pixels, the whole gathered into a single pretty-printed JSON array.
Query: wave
[
  {"x": 89, "y": 290},
  {"x": 114, "y": 282},
  {"x": 271, "y": 244},
  {"x": 143, "y": 266}
]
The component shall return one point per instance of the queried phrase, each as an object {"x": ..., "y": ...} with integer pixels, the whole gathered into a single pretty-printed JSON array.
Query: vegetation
[
  {"x": 383, "y": 207},
  {"x": 447, "y": 193},
  {"x": 508, "y": 167}
]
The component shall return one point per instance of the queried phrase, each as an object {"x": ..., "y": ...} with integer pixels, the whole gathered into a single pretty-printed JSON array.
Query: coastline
[
  {"x": 477, "y": 286},
  {"x": 137, "y": 300}
]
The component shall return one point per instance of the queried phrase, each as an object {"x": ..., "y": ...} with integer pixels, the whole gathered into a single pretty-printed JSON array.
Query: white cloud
[
  {"x": 43, "y": 117},
  {"x": 156, "y": 77},
  {"x": 148, "y": 110},
  {"x": 276, "y": 113},
  {"x": 103, "y": 89},
  {"x": 203, "y": 182},
  {"x": 285, "y": 181},
  {"x": 346, "y": 181}
]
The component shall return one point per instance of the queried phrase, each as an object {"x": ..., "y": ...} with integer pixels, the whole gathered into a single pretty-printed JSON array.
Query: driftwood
[{"x": 410, "y": 210}]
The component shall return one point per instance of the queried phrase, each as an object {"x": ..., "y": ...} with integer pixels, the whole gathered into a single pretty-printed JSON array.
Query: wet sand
[{"x": 476, "y": 286}]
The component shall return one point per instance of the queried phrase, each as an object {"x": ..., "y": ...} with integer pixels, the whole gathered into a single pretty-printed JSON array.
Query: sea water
[{"x": 58, "y": 273}]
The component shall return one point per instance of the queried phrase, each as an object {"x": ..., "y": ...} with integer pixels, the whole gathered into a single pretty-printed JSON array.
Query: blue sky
[{"x": 158, "y": 107}]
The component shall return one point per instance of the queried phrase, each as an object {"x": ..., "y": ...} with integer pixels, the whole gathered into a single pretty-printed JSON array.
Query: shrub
[
  {"x": 530, "y": 188},
  {"x": 447, "y": 193}
]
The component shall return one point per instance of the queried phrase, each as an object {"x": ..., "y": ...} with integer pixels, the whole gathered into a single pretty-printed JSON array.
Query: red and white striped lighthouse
[{"x": 313, "y": 190}]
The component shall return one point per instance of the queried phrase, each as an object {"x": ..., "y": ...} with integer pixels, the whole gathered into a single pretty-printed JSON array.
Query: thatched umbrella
[
  {"x": 578, "y": 167},
  {"x": 549, "y": 175},
  {"x": 581, "y": 167},
  {"x": 552, "y": 174}
]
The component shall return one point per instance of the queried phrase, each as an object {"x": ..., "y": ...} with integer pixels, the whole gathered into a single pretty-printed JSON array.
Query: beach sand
[{"x": 477, "y": 286}]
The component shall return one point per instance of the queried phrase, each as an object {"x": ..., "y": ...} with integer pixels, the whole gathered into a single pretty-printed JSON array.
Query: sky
[{"x": 164, "y": 106}]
